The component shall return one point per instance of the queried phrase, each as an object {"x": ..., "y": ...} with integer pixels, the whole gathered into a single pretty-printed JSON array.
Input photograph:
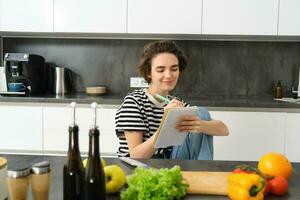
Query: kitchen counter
[
  {"x": 57, "y": 165},
  {"x": 207, "y": 101}
]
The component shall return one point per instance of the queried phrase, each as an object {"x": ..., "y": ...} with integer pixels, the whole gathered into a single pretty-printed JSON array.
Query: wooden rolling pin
[{"x": 202, "y": 182}]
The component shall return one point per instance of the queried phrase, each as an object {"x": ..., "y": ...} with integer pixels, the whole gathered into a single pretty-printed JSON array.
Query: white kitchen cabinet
[
  {"x": 292, "y": 147},
  {"x": 26, "y": 16},
  {"x": 252, "y": 134},
  {"x": 168, "y": 16},
  {"x": 289, "y": 15},
  {"x": 236, "y": 17},
  {"x": 57, "y": 120},
  {"x": 105, "y": 16},
  {"x": 21, "y": 129}
]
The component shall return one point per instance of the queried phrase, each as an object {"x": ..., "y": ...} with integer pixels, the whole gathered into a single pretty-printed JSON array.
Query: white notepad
[{"x": 168, "y": 134}]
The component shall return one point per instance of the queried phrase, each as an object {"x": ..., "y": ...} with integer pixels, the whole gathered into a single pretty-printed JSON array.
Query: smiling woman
[{"x": 139, "y": 116}]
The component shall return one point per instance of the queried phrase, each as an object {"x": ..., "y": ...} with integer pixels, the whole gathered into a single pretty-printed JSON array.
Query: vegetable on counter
[
  {"x": 160, "y": 184},
  {"x": 245, "y": 186}
]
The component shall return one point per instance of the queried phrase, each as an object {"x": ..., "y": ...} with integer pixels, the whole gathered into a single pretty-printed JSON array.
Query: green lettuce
[{"x": 155, "y": 184}]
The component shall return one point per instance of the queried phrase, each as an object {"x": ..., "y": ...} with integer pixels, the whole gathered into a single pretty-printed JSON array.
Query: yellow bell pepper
[{"x": 243, "y": 186}]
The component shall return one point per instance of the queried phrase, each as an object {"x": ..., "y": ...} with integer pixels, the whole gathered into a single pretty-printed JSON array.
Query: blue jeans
[{"x": 196, "y": 146}]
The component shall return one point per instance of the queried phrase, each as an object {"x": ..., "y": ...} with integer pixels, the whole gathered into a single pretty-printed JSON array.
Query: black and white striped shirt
[{"x": 140, "y": 111}]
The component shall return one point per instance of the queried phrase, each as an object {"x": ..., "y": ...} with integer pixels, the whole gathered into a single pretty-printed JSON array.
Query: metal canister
[
  {"x": 40, "y": 180},
  {"x": 17, "y": 182}
]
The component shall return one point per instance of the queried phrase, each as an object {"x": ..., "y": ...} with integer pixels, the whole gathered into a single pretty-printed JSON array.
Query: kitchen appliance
[
  {"x": 26, "y": 70},
  {"x": 62, "y": 80}
]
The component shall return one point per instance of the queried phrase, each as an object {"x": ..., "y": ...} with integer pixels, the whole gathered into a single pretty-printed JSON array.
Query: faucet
[{"x": 299, "y": 83}]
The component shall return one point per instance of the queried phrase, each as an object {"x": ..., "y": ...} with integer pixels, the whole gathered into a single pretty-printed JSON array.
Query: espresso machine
[{"x": 22, "y": 74}]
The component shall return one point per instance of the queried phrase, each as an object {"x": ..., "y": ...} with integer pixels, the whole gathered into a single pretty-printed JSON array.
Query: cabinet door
[
  {"x": 292, "y": 147},
  {"x": 289, "y": 15},
  {"x": 252, "y": 134},
  {"x": 21, "y": 129},
  {"x": 26, "y": 16},
  {"x": 168, "y": 16},
  {"x": 236, "y": 17},
  {"x": 108, "y": 16},
  {"x": 109, "y": 142},
  {"x": 57, "y": 120}
]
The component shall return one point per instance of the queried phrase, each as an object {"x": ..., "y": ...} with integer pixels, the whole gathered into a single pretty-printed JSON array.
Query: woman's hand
[
  {"x": 174, "y": 103},
  {"x": 194, "y": 124},
  {"x": 189, "y": 123}
]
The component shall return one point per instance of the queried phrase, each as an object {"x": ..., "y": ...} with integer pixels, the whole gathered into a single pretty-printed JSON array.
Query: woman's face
[{"x": 164, "y": 72}]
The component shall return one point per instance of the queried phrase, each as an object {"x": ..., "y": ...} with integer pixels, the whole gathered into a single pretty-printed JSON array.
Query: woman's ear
[{"x": 149, "y": 77}]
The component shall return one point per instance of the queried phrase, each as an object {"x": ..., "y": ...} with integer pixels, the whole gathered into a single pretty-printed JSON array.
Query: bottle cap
[
  {"x": 41, "y": 167},
  {"x": 18, "y": 173}
]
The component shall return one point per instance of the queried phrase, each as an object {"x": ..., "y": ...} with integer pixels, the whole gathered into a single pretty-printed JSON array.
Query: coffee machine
[{"x": 22, "y": 74}]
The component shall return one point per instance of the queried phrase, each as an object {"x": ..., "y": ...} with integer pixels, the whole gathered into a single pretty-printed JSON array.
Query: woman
[{"x": 140, "y": 114}]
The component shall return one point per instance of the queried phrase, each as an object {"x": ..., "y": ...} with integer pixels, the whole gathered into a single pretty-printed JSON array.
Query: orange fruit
[{"x": 275, "y": 164}]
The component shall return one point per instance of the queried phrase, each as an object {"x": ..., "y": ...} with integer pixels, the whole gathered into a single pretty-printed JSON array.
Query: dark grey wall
[{"x": 215, "y": 67}]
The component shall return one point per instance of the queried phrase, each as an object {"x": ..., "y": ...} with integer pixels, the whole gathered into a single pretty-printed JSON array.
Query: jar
[
  {"x": 17, "y": 182},
  {"x": 40, "y": 180},
  {"x": 3, "y": 186}
]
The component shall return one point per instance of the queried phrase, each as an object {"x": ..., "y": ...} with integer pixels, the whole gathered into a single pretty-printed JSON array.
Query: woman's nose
[{"x": 168, "y": 73}]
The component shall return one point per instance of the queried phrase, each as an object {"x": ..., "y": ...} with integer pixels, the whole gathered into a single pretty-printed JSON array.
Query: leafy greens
[{"x": 154, "y": 184}]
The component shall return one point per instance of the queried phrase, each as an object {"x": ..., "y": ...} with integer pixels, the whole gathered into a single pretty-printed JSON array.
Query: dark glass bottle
[
  {"x": 278, "y": 90},
  {"x": 94, "y": 179},
  {"x": 73, "y": 171}
]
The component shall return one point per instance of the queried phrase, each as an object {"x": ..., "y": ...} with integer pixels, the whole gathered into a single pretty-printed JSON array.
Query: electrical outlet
[{"x": 138, "y": 82}]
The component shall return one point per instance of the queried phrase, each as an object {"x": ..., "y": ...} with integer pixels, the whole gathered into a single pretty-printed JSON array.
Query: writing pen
[{"x": 163, "y": 98}]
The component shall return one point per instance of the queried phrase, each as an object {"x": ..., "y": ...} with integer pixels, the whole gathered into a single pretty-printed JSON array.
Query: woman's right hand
[{"x": 174, "y": 103}]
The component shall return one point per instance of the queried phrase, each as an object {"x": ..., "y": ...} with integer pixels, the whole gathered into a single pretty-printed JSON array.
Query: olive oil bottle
[
  {"x": 94, "y": 179},
  {"x": 73, "y": 171}
]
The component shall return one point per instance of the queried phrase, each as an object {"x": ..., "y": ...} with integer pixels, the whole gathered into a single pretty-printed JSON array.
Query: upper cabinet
[
  {"x": 166, "y": 17},
  {"x": 240, "y": 17},
  {"x": 289, "y": 15},
  {"x": 195, "y": 17},
  {"x": 102, "y": 16},
  {"x": 26, "y": 16}
]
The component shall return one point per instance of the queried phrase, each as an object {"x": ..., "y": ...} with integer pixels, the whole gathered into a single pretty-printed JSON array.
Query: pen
[{"x": 163, "y": 98}]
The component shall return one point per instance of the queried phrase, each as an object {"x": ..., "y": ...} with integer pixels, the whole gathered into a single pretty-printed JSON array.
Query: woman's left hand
[{"x": 189, "y": 123}]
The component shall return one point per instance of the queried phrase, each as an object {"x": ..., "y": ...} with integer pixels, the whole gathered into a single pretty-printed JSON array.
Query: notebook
[{"x": 168, "y": 134}]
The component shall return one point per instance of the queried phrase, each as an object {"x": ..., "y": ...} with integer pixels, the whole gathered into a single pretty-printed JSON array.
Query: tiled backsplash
[{"x": 235, "y": 68}]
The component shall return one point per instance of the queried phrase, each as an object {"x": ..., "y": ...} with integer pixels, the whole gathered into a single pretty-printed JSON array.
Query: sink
[{"x": 289, "y": 100}]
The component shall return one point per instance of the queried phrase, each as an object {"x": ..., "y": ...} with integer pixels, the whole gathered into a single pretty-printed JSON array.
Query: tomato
[
  {"x": 239, "y": 170},
  {"x": 267, "y": 187},
  {"x": 278, "y": 185}
]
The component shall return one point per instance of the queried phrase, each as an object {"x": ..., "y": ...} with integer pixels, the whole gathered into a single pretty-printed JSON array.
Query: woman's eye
[
  {"x": 160, "y": 70},
  {"x": 175, "y": 69}
]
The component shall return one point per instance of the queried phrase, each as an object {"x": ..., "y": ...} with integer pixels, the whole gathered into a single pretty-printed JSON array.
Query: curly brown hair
[{"x": 154, "y": 48}]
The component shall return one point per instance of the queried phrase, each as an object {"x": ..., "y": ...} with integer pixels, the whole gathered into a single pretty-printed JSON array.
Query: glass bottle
[
  {"x": 73, "y": 171},
  {"x": 94, "y": 179},
  {"x": 278, "y": 90}
]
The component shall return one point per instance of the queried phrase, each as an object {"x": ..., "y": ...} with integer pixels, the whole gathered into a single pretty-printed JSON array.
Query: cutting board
[{"x": 202, "y": 182}]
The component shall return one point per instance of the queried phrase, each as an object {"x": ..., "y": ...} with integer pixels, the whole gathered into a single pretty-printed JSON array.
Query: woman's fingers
[
  {"x": 174, "y": 103},
  {"x": 189, "y": 124}
]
